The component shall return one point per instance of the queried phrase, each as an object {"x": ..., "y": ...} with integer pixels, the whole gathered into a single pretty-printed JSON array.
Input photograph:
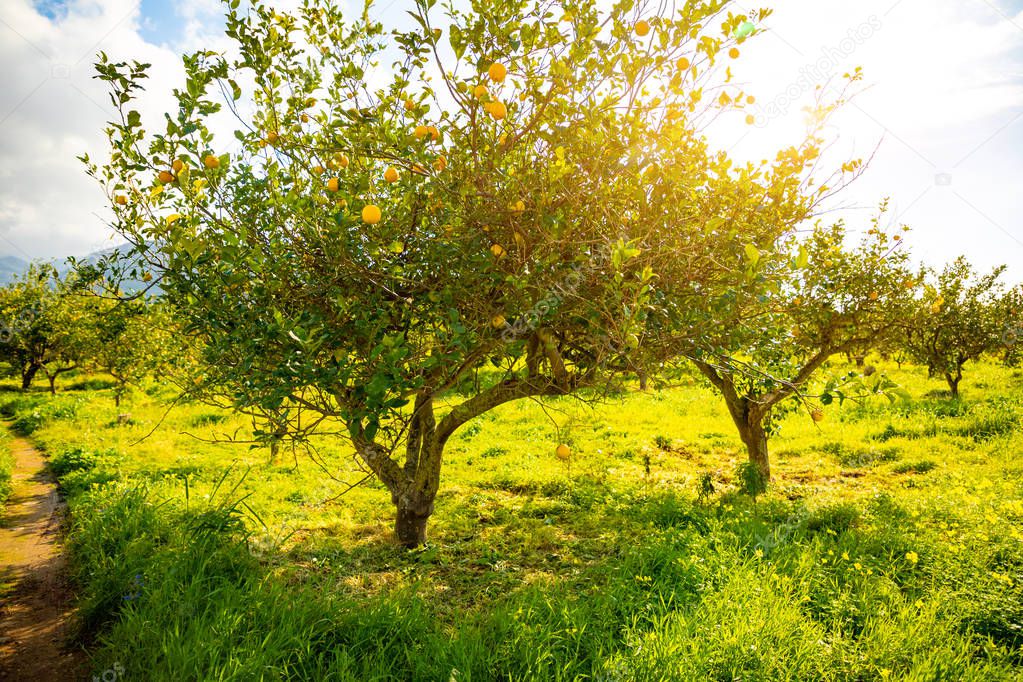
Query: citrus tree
[
  {"x": 130, "y": 340},
  {"x": 496, "y": 203},
  {"x": 790, "y": 312},
  {"x": 42, "y": 324},
  {"x": 961, "y": 316}
]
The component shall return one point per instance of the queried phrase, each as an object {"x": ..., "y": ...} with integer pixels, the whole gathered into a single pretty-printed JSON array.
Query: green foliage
[
  {"x": 920, "y": 467},
  {"x": 962, "y": 316},
  {"x": 860, "y": 457},
  {"x": 705, "y": 487},
  {"x": 751, "y": 480},
  {"x": 27, "y": 424}
]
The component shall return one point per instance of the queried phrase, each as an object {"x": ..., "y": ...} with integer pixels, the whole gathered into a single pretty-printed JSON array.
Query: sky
[{"x": 940, "y": 113}]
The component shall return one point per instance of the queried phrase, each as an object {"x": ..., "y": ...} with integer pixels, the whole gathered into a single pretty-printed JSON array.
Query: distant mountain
[{"x": 10, "y": 267}]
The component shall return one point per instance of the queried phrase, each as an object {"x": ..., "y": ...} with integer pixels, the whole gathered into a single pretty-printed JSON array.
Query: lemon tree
[
  {"x": 793, "y": 309},
  {"x": 41, "y": 324},
  {"x": 961, "y": 316},
  {"x": 490, "y": 201}
]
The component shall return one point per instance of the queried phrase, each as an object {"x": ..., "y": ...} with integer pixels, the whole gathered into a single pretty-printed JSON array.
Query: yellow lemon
[
  {"x": 370, "y": 214},
  {"x": 497, "y": 72}
]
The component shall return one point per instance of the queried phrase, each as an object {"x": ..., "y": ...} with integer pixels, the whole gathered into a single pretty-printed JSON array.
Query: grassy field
[{"x": 889, "y": 546}]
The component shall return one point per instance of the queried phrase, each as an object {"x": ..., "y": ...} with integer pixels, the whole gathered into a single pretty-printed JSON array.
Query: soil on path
[{"x": 35, "y": 604}]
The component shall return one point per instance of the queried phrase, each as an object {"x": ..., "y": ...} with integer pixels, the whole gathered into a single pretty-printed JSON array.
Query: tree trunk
[
  {"x": 410, "y": 522},
  {"x": 749, "y": 419},
  {"x": 53, "y": 384},
  {"x": 953, "y": 383},
  {"x": 643, "y": 380},
  {"x": 414, "y": 484},
  {"x": 28, "y": 374},
  {"x": 754, "y": 437},
  {"x": 117, "y": 399}
]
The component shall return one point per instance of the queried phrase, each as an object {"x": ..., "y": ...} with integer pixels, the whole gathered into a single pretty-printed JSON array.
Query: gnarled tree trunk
[
  {"x": 748, "y": 416},
  {"x": 414, "y": 484},
  {"x": 28, "y": 374},
  {"x": 953, "y": 382}
]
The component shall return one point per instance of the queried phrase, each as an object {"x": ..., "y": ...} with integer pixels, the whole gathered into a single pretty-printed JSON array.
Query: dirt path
[{"x": 36, "y": 608}]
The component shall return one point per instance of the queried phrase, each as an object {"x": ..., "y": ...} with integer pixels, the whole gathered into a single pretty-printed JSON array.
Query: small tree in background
[
  {"x": 961, "y": 316},
  {"x": 131, "y": 340},
  {"x": 793, "y": 311},
  {"x": 1012, "y": 334},
  {"x": 43, "y": 321}
]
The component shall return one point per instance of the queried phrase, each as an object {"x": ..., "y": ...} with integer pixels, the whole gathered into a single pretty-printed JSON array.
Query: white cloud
[
  {"x": 944, "y": 92},
  {"x": 54, "y": 111}
]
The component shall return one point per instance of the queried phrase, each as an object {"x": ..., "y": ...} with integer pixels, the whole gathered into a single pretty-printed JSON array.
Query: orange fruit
[
  {"x": 319, "y": 170},
  {"x": 497, "y": 250},
  {"x": 750, "y": 119},
  {"x": 304, "y": 118},
  {"x": 211, "y": 162},
  {"x": 498, "y": 321},
  {"x": 434, "y": 133},
  {"x": 497, "y": 72},
  {"x": 441, "y": 163},
  {"x": 391, "y": 174},
  {"x": 120, "y": 200},
  {"x": 734, "y": 53},
  {"x": 332, "y": 185},
  {"x": 420, "y": 132},
  {"x": 409, "y": 105},
  {"x": 817, "y": 415},
  {"x": 563, "y": 451},
  {"x": 874, "y": 295},
  {"x": 370, "y": 214},
  {"x": 642, "y": 28},
  {"x": 480, "y": 91},
  {"x": 751, "y": 100},
  {"x": 496, "y": 109},
  {"x": 177, "y": 165},
  {"x": 682, "y": 64},
  {"x": 165, "y": 177},
  {"x": 272, "y": 136},
  {"x": 342, "y": 161}
]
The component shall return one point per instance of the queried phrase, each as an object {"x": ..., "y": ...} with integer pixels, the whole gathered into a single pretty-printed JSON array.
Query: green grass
[
  {"x": 888, "y": 547},
  {"x": 6, "y": 468}
]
